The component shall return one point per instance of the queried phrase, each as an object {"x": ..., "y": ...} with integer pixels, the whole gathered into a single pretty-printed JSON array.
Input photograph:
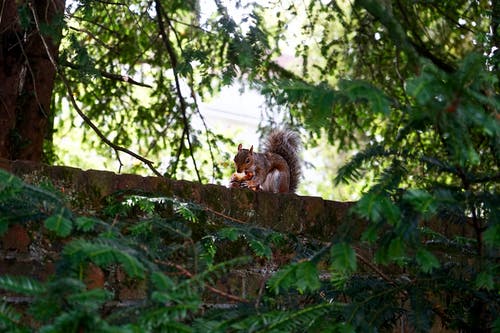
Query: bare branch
[{"x": 224, "y": 215}]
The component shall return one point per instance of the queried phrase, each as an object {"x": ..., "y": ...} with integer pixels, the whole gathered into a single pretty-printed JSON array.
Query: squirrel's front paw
[
  {"x": 252, "y": 185},
  {"x": 234, "y": 184}
]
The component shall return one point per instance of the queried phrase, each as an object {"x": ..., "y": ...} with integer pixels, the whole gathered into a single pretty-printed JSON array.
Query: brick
[
  {"x": 16, "y": 238},
  {"x": 5, "y": 164},
  {"x": 94, "y": 277}
]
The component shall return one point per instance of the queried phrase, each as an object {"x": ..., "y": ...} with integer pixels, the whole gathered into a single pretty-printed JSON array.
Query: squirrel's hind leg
[{"x": 272, "y": 182}]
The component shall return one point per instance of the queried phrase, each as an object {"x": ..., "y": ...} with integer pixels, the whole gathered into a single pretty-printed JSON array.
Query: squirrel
[{"x": 277, "y": 169}]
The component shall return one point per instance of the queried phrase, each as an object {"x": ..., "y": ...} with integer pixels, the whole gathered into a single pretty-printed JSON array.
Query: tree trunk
[{"x": 26, "y": 76}]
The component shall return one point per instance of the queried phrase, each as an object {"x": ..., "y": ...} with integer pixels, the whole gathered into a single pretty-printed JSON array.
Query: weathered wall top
[{"x": 312, "y": 216}]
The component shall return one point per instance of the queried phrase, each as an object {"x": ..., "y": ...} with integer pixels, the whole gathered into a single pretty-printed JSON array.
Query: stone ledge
[{"x": 311, "y": 216}]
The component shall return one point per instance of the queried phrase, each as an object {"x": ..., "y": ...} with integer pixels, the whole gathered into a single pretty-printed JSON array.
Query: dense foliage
[
  {"x": 419, "y": 277},
  {"x": 415, "y": 85}
]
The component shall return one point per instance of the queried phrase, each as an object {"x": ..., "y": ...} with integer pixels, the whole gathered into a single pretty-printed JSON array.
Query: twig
[
  {"x": 224, "y": 215},
  {"x": 188, "y": 274},
  {"x": 1, "y": 11},
  {"x": 79, "y": 111},
  {"x": 112, "y": 76},
  {"x": 94, "y": 37},
  {"x": 28, "y": 65},
  {"x": 374, "y": 268}
]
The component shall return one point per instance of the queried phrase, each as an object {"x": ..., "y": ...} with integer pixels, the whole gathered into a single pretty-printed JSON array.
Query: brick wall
[
  {"x": 24, "y": 249},
  {"x": 313, "y": 216}
]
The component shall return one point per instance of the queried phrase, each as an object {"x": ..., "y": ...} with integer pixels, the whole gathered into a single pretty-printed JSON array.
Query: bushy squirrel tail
[{"x": 286, "y": 143}]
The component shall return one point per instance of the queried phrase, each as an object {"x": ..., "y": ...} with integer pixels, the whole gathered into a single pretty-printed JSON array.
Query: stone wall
[
  {"x": 313, "y": 216},
  {"x": 26, "y": 249},
  {"x": 309, "y": 217}
]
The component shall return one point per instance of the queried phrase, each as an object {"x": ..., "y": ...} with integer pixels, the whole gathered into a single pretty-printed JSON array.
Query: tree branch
[
  {"x": 174, "y": 62},
  {"x": 188, "y": 274},
  {"x": 374, "y": 268},
  {"x": 394, "y": 28},
  {"x": 77, "y": 108},
  {"x": 111, "y": 76},
  {"x": 195, "y": 101}
]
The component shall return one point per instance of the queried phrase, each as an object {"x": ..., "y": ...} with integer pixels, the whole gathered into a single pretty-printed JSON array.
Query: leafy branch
[
  {"x": 86, "y": 119},
  {"x": 182, "y": 101}
]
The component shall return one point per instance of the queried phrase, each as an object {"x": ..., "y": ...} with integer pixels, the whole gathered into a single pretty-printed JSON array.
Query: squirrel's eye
[{"x": 247, "y": 161}]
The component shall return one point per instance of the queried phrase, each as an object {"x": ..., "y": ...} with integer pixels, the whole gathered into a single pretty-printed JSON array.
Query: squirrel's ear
[
  {"x": 240, "y": 146},
  {"x": 251, "y": 149}
]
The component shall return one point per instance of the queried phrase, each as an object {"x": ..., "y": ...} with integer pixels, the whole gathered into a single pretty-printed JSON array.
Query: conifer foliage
[{"x": 420, "y": 103}]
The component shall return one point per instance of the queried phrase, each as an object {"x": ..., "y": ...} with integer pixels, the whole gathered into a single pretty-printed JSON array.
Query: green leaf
[
  {"x": 343, "y": 258},
  {"x": 425, "y": 87},
  {"x": 59, "y": 224},
  {"x": 382, "y": 256},
  {"x": 491, "y": 236},
  {"x": 426, "y": 260},
  {"x": 162, "y": 282},
  {"x": 357, "y": 90},
  {"x": 470, "y": 68},
  {"x": 21, "y": 285},
  {"x": 260, "y": 249},
  {"x": 307, "y": 277},
  {"x": 4, "y": 225},
  {"x": 9, "y": 317},
  {"x": 103, "y": 253},
  {"x": 485, "y": 280},
  {"x": 396, "y": 249},
  {"x": 421, "y": 200},
  {"x": 370, "y": 207},
  {"x": 302, "y": 276},
  {"x": 390, "y": 211},
  {"x": 90, "y": 300},
  {"x": 496, "y": 325},
  {"x": 283, "y": 279},
  {"x": 183, "y": 209},
  {"x": 10, "y": 185},
  {"x": 344, "y": 328},
  {"x": 229, "y": 233},
  {"x": 25, "y": 17},
  {"x": 370, "y": 235},
  {"x": 85, "y": 224}
]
